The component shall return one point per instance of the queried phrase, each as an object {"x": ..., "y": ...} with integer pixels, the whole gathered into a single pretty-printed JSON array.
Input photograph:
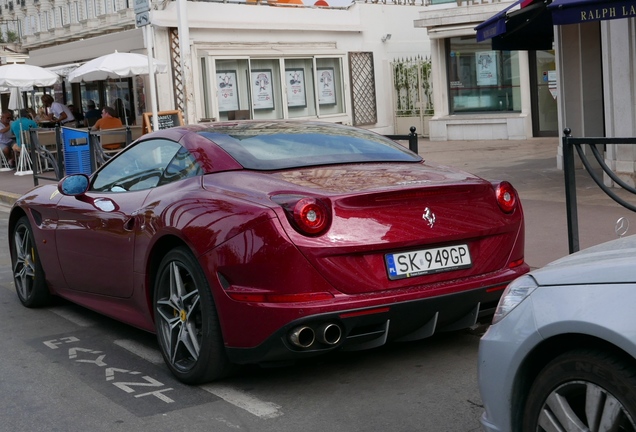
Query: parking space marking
[
  {"x": 148, "y": 354},
  {"x": 143, "y": 388},
  {"x": 97, "y": 357},
  {"x": 265, "y": 410}
]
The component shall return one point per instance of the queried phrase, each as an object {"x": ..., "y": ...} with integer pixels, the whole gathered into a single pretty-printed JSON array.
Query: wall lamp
[{"x": 386, "y": 37}]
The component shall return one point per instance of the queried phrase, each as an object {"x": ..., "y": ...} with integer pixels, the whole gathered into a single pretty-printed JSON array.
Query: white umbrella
[
  {"x": 20, "y": 75},
  {"x": 15, "y": 98},
  {"x": 24, "y": 75},
  {"x": 115, "y": 65},
  {"x": 119, "y": 65}
]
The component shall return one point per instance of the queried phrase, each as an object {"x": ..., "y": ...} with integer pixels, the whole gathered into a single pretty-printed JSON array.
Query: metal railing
[
  {"x": 569, "y": 144},
  {"x": 43, "y": 157}
]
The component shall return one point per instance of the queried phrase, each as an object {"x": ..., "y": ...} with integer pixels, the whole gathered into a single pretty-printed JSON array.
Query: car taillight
[
  {"x": 308, "y": 215},
  {"x": 506, "y": 197}
]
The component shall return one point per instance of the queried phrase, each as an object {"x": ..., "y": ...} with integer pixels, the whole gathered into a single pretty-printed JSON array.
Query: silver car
[{"x": 561, "y": 353}]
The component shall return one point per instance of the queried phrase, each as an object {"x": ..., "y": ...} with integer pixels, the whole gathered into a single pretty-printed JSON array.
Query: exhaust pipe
[
  {"x": 329, "y": 334},
  {"x": 302, "y": 337}
]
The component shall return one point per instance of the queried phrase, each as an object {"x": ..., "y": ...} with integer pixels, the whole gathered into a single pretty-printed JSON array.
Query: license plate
[{"x": 426, "y": 261}]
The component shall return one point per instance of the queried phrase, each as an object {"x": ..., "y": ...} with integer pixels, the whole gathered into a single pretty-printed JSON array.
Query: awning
[
  {"x": 531, "y": 26},
  {"x": 495, "y": 25},
  {"x": 528, "y": 28},
  {"x": 580, "y": 11}
]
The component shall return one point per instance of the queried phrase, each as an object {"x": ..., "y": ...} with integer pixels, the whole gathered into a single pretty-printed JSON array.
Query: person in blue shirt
[
  {"x": 22, "y": 123},
  {"x": 92, "y": 114}
]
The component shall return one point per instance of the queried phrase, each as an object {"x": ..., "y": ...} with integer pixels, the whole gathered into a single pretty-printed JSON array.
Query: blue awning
[
  {"x": 527, "y": 28},
  {"x": 495, "y": 25},
  {"x": 580, "y": 11}
]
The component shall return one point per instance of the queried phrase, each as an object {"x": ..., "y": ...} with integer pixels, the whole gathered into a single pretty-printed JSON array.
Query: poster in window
[
  {"x": 262, "y": 94},
  {"x": 227, "y": 90},
  {"x": 486, "y": 62},
  {"x": 326, "y": 87},
  {"x": 295, "y": 88}
]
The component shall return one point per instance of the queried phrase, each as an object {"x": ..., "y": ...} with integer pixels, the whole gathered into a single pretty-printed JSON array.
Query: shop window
[
  {"x": 118, "y": 97},
  {"x": 481, "y": 79},
  {"x": 89, "y": 91},
  {"x": 274, "y": 88}
]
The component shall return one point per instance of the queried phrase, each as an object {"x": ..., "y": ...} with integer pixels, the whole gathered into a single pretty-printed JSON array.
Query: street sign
[
  {"x": 141, "y": 6},
  {"x": 142, "y": 19}
]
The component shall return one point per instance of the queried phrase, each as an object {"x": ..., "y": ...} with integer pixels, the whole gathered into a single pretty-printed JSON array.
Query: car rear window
[{"x": 269, "y": 149}]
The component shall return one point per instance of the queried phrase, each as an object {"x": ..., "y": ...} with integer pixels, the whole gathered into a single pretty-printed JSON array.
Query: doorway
[{"x": 543, "y": 93}]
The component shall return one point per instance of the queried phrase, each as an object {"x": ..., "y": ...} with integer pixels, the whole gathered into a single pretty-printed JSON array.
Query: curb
[{"x": 8, "y": 198}]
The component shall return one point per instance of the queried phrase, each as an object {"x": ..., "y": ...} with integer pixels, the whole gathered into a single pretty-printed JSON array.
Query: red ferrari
[{"x": 257, "y": 242}]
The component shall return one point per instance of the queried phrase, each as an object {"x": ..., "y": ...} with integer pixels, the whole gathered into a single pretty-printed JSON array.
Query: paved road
[
  {"x": 65, "y": 368},
  {"x": 68, "y": 369}
]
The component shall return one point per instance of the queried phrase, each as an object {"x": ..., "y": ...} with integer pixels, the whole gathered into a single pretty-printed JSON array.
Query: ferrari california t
[{"x": 259, "y": 242}]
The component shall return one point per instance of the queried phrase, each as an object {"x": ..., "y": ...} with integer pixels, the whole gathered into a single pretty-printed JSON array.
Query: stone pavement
[{"x": 530, "y": 165}]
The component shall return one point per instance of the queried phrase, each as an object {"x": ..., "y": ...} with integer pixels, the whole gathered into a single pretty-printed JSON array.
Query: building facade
[
  {"x": 243, "y": 60},
  {"x": 594, "y": 43},
  {"x": 482, "y": 92}
]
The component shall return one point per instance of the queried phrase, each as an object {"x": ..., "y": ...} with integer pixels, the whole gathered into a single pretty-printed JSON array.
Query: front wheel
[
  {"x": 28, "y": 275},
  {"x": 186, "y": 321},
  {"x": 583, "y": 390}
]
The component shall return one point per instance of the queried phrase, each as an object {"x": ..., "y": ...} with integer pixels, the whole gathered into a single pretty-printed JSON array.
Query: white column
[
  {"x": 186, "y": 61},
  {"x": 151, "y": 78}
]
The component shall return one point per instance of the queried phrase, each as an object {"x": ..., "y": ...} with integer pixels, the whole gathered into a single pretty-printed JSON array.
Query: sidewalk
[
  {"x": 13, "y": 186},
  {"x": 530, "y": 165}
]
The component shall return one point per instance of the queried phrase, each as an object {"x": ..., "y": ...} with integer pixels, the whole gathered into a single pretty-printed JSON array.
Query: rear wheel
[
  {"x": 28, "y": 275},
  {"x": 583, "y": 391},
  {"x": 187, "y": 324}
]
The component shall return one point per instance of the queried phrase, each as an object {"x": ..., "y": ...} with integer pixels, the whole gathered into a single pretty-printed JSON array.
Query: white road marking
[
  {"x": 255, "y": 406},
  {"x": 73, "y": 317},
  {"x": 266, "y": 410},
  {"x": 148, "y": 354}
]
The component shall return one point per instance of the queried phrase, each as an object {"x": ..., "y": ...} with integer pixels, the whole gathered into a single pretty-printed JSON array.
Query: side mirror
[{"x": 73, "y": 185}]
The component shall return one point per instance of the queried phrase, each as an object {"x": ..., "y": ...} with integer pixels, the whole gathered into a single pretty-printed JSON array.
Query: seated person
[
  {"x": 21, "y": 124},
  {"x": 92, "y": 114},
  {"x": 39, "y": 116},
  {"x": 109, "y": 120},
  {"x": 6, "y": 137}
]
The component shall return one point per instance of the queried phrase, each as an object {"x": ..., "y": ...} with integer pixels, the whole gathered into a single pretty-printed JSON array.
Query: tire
[
  {"x": 580, "y": 389},
  {"x": 186, "y": 320},
  {"x": 28, "y": 275}
]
